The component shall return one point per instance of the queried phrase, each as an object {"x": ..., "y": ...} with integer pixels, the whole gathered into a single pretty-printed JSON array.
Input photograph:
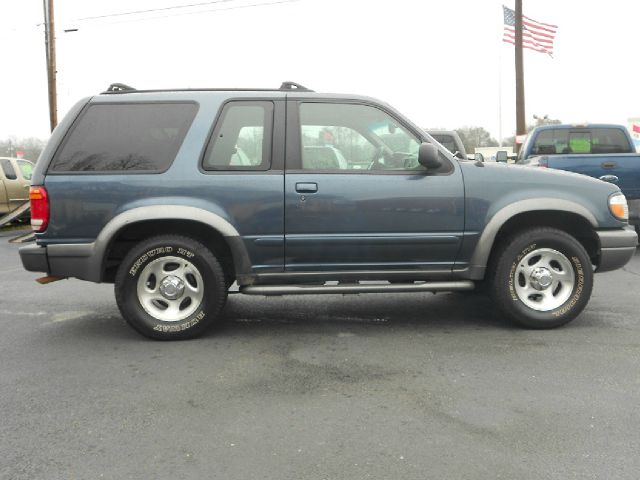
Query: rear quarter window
[
  {"x": 242, "y": 137},
  {"x": 143, "y": 137}
]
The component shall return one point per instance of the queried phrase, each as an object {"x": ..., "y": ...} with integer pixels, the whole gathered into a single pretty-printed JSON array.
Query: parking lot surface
[{"x": 409, "y": 386}]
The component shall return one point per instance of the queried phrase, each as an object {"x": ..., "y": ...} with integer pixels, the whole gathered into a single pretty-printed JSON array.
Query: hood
[
  {"x": 525, "y": 174},
  {"x": 490, "y": 187}
]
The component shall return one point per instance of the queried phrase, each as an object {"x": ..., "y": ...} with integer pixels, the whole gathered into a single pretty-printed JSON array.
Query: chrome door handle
[
  {"x": 306, "y": 187},
  {"x": 609, "y": 178}
]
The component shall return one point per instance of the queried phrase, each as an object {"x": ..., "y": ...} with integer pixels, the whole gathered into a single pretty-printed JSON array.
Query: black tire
[
  {"x": 199, "y": 259},
  {"x": 507, "y": 279}
]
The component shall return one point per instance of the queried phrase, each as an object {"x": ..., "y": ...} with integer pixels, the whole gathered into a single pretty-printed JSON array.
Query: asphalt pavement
[{"x": 410, "y": 386}]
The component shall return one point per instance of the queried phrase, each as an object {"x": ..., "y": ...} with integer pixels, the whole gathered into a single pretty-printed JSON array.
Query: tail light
[{"x": 39, "y": 208}]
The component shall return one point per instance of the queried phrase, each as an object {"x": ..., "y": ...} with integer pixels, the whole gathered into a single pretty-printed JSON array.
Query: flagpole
[
  {"x": 500, "y": 97},
  {"x": 521, "y": 127}
]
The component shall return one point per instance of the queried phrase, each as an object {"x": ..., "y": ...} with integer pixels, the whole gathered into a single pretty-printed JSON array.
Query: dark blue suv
[{"x": 175, "y": 195}]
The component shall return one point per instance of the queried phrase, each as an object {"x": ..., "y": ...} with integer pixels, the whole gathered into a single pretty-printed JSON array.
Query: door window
[
  {"x": 8, "y": 170},
  {"x": 352, "y": 138}
]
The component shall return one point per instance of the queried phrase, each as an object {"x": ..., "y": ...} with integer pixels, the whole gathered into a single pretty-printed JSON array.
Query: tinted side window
[
  {"x": 241, "y": 139},
  {"x": 125, "y": 137},
  {"x": 9, "y": 171}
]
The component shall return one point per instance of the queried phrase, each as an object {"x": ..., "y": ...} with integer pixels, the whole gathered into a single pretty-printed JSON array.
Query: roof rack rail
[
  {"x": 118, "y": 88},
  {"x": 294, "y": 86}
]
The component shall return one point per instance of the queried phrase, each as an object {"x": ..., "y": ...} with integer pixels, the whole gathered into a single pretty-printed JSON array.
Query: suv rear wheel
[
  {"x": 542, "y": 279},
  {"x": 170, "y": 287}
]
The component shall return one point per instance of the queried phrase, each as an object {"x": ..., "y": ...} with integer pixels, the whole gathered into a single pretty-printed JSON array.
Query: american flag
[{"x": 536, "y": 35}]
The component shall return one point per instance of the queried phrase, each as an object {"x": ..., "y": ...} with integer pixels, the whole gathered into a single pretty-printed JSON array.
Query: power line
[
  {"x": 135, "y": 12},
  {"x": 72, "y": 29},
  {"x": 263, "y": 4}
]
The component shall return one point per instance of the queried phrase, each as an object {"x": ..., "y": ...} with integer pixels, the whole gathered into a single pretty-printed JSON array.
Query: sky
[{"x": 442, "y": 63}]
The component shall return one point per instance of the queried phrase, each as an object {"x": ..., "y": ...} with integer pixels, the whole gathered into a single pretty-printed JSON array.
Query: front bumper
[
  {"x": 634, "y": 211},
  {"x": 617, "y": 247}
]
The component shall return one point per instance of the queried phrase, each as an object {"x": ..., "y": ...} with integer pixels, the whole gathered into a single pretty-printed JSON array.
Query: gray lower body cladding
[
  {"x": 634, "y": 211},
  {"x": 617, "y": 247},
  {"x": 62, "y": 261}
]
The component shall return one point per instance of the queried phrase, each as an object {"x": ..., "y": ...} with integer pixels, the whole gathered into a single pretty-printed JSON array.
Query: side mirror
[
  {"x": 428, "y": 156},
  {"x": 478, "y": 157},
  {"x": 502, "y": 156}
]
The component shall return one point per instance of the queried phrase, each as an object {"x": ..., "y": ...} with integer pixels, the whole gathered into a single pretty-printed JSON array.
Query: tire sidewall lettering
[
  {"x": 180, "y": 327},
  {"x": 157, "y": 252},
  {"x": 148, "y": 255},
  {"x": 577, "y": 293},
  {"x": 186, "y": 253}
]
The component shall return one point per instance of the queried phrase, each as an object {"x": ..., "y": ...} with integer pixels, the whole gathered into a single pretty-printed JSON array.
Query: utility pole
[
  {"x": 521, "y": 126},
  {"x": 50, "y": 45}
]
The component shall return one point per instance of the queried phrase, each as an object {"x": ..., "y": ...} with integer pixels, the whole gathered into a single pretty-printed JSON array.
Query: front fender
[{"x": 482, "y": 251}]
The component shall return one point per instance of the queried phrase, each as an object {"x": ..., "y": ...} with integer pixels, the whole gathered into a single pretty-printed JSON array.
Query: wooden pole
[
  {"x": 521, "y": 126},
  {"x": 50, "y": 45}
]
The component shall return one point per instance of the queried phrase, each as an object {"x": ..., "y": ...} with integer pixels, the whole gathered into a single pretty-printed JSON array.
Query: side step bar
[{"x": 269, "y": 290}]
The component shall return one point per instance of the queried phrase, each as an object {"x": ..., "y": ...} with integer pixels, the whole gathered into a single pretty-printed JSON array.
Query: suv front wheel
[
  {"x": 170, "y": 287},
  {"x": 542, "y": 278}
]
